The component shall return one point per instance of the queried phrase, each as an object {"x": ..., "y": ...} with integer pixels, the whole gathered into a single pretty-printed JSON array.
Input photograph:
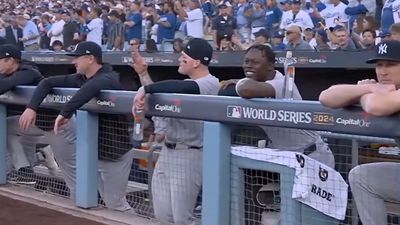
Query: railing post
[
  {"x": 216, "y": 174},
  {"x": 3, "y": 143},
  {"x": 86, "y": 159}
]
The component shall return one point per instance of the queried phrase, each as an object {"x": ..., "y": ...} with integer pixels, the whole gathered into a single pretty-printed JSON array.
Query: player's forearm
[
  {"x": 173, "y": 86},
  {"x": 339, "y": 96},
  {"x": 249, "y": 88},
  {"x": 381, "y": 104},
  {"x": 145, "y": 78}
]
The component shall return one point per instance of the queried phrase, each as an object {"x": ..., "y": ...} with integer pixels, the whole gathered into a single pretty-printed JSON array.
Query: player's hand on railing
[
  {"x": 27, "y": 119},
  {"x": 139, "y": 63},
  {"x": 139, "y": 100},
  {"x": 60, "y": 123}
]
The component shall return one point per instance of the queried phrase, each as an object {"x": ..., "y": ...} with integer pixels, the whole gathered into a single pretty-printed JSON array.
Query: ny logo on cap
[
  {"x": 382, "y": 49},
  {"x": 7, "y": 54},
  {"x": 87, "y": 52}
]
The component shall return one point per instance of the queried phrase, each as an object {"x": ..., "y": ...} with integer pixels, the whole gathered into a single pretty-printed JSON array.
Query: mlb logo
[{"x": 234, "y": 111}]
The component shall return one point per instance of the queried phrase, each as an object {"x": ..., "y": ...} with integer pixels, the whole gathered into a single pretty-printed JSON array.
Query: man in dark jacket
[
  {"x": 114, "y": 150},
  {"x": 13, "y": 34},
  {"x": 21, "y": 145}
]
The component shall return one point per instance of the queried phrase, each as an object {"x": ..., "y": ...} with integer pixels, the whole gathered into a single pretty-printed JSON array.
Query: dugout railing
[{"x": 223, "y": 173}]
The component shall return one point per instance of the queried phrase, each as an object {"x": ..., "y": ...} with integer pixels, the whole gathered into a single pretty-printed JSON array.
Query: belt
[{"x": 179, "y": 145}]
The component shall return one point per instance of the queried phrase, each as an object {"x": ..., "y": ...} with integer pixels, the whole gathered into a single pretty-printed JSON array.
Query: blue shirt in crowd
[
  {"x": 136, "y": 30},
  {"x": 166, "y": 32}
]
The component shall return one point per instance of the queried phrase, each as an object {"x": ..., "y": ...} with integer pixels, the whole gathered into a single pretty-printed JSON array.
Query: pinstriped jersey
[{"x": 190, "y": 132}]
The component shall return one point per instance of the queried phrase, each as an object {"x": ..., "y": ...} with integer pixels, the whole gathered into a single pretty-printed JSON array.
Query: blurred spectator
[
  {"x": 277, "y": 41},
  {"x": 225, "y": 44},
  {"x": 343, "y": 39},
  {"x": 296, "y": 16},
  {"x": 286, "y": 5},
  {"x": 257, "y": 17},
  {"x": 390, "y": 14},
  {"x": 13, "y": 33},
  {"x": 134, "y": 22},
  {"x": 94, "y": 28},
  {"x": 57, "y": 46},
  {"x": 368, "y": 39},
  {"x": 395, "y": 31},
  {"x": 56, "y": 29},
  {"x": 119, "y": 8},
  {"x": 261, "y": 37},
  {"x": 273, "y": 16},
  {"x": 30, "y": 33},
  {"x": 223, "y": 25},
  {"x": 194, "y": 18},
  {"x": 44, "y": 27},
  {"x": 166, "y": 23},
  {"x": 370, "y": 6},
  {"x": 116, "y": 34},
  {"x": 322, "y": 40},
  {"x": 178, "y": 45},
  {"x": 295, "y": 41},
  {"x": 384, "y": 35},
  {"x": 135, "y": 44},
  {"x": 70, "y": 30},
  {"x": 309, "y": 37},
  {"x": 333, "y": 11},
  {"x": 242, "y": 21},
  {"x": 208, "y": 8},
  {"x": 106, "y": 22}
]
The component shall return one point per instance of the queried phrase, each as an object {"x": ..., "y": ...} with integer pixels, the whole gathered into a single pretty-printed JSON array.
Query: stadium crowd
[{"x": 164, "y": 25}]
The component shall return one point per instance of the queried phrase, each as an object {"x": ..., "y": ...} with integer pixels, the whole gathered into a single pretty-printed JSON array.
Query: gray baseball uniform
[
  {"x": 177, "y": 176},
  {"x": 296, "y": 139},
  {"x": 372, "y": 184}
]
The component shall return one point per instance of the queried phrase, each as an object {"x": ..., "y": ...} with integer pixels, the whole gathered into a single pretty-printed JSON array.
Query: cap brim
[
  {"x": 376, "y": 59},
  {"x": 74, "y": 54}
]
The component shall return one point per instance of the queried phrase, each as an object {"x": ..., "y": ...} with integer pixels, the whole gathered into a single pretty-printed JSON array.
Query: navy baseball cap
[
  {"x": 387, "y": 50},
  {"x": 9, "y": 51},
  {"x": 278, "y": 34},
  {"x": 199, "y": 49},
  {"x": 262, "y": 32},
  {"x": 87, "y": 48},
  {"x": 296, "y": 1}
]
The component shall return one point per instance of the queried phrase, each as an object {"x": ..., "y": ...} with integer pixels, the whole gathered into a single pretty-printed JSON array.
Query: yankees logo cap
[
  {"x": 9, "y": 51},
  {"x": 87, "y": 48},
  {"x": 387, "y": 50},
  {"x": 199, "y": 49}
]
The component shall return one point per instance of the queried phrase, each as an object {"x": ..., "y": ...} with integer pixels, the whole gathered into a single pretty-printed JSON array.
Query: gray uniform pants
[
  {"x": 21, "y": 145},
  {"x": 372, "y": 184},
  {"x": 112, "y": 176},
  {"x": 176, "y": 184}
]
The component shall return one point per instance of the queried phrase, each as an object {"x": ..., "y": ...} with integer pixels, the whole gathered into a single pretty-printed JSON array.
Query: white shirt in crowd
[
  {"x": 194, "y": 23},
  {"x": 96, "y": 31},
  {"x": 331, "y": 12},
  {"x": 302, "y": 19},
  {"x": 56, "y": 31}
]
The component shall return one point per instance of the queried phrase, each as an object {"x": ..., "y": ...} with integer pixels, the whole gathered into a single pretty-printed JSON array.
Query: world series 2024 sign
[{"x": 294, "y": 117}]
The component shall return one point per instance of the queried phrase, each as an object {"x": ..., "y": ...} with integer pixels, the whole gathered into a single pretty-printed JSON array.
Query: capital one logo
[
  {"x": 234, "y": 111},
  {"x": 382, "y": 49}
]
